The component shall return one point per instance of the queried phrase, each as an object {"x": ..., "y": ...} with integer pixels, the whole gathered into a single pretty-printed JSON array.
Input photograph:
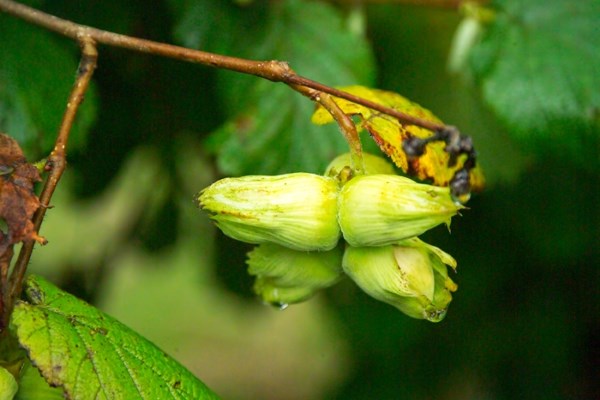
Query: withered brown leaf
[{"x": 18, "y": 201}]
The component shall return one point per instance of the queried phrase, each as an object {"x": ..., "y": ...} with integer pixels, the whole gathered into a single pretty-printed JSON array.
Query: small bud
[
  {"x": 298, "y": 210},
  {"x": 410, "y": 276},
  {"x": 285, "y": 276},
  {"x": 373, "y": 165},
  {"x": 376, "y": 210}
]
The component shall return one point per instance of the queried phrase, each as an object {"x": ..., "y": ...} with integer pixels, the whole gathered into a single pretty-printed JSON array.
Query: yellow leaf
[{"x": 389, "y": 134}]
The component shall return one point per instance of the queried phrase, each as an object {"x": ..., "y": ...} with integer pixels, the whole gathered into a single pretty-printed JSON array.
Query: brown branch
[
  {"x": 348, "y": 129},
  {"x": 402, "y": 117},
  {"x": 5, "y": 259},
  {"x": 277, "y": 71},
  {"x": 57, "y": 161}
]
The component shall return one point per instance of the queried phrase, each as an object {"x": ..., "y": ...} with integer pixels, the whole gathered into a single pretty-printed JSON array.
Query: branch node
[
  {"x": 55, "y": 165},
  {"x": 348, "y": 129}
]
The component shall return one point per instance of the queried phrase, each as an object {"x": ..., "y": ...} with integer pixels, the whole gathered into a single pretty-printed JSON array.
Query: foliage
[
  {"x": 537, "y": 65},
  {"x": 33, "y": 90},
  {"x": 389, "y": 134},
  {"x": 124, "y": 235},
  {"x": 263, "y": 134},
  {"x": 91, "y": 355},
  {"x": 18, "y": 202}
]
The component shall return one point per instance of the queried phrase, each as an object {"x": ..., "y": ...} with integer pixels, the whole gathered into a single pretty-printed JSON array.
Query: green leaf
[
  {"x": 36, "y": 77},
  {"x": 269, "y": 129},
  {"x": 91, "y": 355},
  {"x": 538, "y": 65},
  {"x": 207, "y": 24}
]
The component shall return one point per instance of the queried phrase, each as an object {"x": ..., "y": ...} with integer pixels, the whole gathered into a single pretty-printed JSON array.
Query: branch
[
  {"x": 5, "y": 259},
  {"x": 402, "y": 117},
  {"x": 348, "y": 129},
  {"x": 276, "y": 71},
  {"x": 56, "y": 163}
]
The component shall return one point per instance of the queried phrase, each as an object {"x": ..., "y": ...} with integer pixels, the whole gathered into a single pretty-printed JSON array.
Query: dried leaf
[
  {"x": 389, "y": 134},
  {"x": 18, "y": 202}
]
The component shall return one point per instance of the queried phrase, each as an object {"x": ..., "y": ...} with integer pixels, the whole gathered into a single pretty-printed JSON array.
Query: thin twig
[
  {"x": 348, "y": 129},
  {"x": 5, "y": 259},
  {"x": 57, "y": 161},
  {"x": 402, "y": 117},
  {"x": 277, "y": 71}
]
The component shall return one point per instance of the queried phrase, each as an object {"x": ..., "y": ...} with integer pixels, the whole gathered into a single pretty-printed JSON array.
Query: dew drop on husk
[
  {"x": 279, "y": 306},
  {"x": 436, "y": 316}
]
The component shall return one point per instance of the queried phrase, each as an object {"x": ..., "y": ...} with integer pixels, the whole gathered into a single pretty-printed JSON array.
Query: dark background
[{"x": 125, "y": 235}]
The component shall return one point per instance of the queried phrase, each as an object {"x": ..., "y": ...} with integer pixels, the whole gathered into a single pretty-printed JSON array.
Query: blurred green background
[{"x": 125, "y": 235}]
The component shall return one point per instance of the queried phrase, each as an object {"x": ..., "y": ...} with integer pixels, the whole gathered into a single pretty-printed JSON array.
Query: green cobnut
[
  {"x": 8, "y": 385},
  {"x": 411, "y": 276},
  {"x": 285, "y": 276},
  {"x": 298, "y": 211},
  {"x": 377, "y": 210}
]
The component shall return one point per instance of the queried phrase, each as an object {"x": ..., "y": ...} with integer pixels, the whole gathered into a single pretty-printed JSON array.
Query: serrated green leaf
[
  {"x": 269, "y": 131},
  {"x": 538, "y": 65},
  {"x": 274, "y": 136},
  {"x": 93, "y": 356},
  {"x": 36, "y": 77},
  {"x": 206, "y": 24}
]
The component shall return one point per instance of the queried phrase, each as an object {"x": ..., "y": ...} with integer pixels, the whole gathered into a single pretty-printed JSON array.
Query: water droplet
[
  {"x": 435, "y": 315},
  {"x": 280, "y": 306}
]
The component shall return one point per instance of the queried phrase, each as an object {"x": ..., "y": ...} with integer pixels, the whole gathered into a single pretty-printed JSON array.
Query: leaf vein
[
  {"x": 151, "y": 368},
  {"x": 89, "y": 350},
  {"x": 127, "y": 367}
]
